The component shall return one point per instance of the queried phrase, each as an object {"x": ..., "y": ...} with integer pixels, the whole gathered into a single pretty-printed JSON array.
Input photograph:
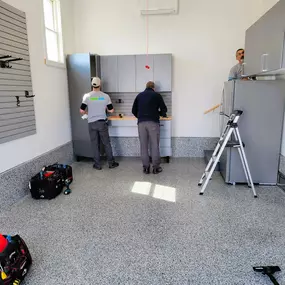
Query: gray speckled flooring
[{"x": 105, "y": 232}]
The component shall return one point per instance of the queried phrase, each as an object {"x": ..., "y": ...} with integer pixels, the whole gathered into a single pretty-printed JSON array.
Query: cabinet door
[
  {"x": 109, "y": 73},
  {"x": 79, "y": 83},
  {"x": 162, "y": 68},
  {"x": 126, "y": 73},
  {"x": 265, "y": 42},
  {"x": 78, "y": 71},
  {"x": 254, "y": 50},
  {"x": 143, "y": 75}
]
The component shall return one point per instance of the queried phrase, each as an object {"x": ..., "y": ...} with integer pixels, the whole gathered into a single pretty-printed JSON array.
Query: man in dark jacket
[{"x": 148, "y": 107}]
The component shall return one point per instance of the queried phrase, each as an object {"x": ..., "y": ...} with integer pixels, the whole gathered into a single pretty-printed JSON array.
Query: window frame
[{"x": 56, "y": 7}]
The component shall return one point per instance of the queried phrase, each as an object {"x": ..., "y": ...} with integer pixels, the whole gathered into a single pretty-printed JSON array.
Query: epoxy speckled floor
[{"x": 122, "y": 227}]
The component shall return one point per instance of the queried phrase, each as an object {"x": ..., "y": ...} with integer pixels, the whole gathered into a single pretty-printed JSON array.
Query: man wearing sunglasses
[{"x": 237, "y": 71}]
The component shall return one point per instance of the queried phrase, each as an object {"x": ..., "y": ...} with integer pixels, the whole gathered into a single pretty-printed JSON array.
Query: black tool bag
[
  {"x": 49, "y": 183},
  {"x": 15, "y": 261},
  {"x": 64, "y": 169}
]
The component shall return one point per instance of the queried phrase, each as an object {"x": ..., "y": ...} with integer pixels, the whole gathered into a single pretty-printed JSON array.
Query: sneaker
[
  {"x": 114, "y": 164},
  {"x": 146, "y": 170},
  {"x": 97, "y": 167},
  {"x": 157, "y": 170}
]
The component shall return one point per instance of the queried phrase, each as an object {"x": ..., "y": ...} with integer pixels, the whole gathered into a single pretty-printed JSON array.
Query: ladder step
[{"x": 232, "y": 144}]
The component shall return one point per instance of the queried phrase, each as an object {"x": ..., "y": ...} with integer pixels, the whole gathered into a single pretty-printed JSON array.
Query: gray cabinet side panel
[
  {"x": 79, "y": 81},
  {"x": 261, "y": 123},
  {"x": 126, "y": 73},
  {"x": 162, "y": 68}
]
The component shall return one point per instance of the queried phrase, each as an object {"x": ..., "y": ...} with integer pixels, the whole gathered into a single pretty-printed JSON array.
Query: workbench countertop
[{"x": 125, "y": 118}]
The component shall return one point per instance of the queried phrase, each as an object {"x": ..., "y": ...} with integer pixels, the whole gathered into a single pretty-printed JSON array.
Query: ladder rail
[
  {"x": 246, "y": 164},
  {"x": 241, "y": 157},
  {"x": 208, "y": 177}
]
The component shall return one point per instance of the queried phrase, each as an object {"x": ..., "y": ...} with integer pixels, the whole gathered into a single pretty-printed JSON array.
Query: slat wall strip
[
  {"x": 14, "y": 121},
  {"x": 16, "y": 115},
  {"x": 5, "y": 106},
  {"x": 12, "y": 32},
  {"x": 13, "y": 27},
  {"x": 19, "y": 66},
  {"x": 12, "y": 99},
  {"x": 17, "y": 131},
  {"x": 12, "y": 9},
  {"x": 16, "y": 110},
  {"x": 15, "y": 88},
  {"x": 11, "y": 14},
  {"x": 12, "y": 72},
  {"x": 11, "y": 50},
  {"x": 18, "y": 136},
  {"x": 10, "y": 20},
  {"x": 15, "y": 82},
  {"x": 22, "y": 62},
  {"x": 128, "y": 100},
  {"x": 16, "y": 126},
  {"x": 5, "y": 76},
  {"x": 13, "y": 38},
  {"x": 7, "y": 42},
  {"x": 15, "y": 93}
]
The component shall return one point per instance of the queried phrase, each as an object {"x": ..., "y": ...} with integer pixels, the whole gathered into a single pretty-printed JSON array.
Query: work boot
[
  {"x": 97, "y": 167},
  {"x": 146, "y": 170},
  {"x": 157, "y": 170},
  {"x": 113, "y": 164}
]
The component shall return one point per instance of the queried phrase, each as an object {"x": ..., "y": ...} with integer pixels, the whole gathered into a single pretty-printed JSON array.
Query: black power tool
[{"x": 269, "y": 271}]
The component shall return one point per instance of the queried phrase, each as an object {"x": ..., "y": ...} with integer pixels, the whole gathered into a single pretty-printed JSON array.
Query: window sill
[{"x": 54, "y": 64}]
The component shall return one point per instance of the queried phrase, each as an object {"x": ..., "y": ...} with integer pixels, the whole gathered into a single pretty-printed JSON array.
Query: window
[{"x": 53, "y": 31}]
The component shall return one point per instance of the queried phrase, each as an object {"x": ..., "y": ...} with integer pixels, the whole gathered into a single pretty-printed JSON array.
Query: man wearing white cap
[{"x": 95, "y": 104}]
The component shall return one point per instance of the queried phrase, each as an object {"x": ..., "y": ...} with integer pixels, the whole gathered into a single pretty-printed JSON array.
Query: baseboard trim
[
  {"x": 14, "y": 182},
  {"x": 192, "y": 146},
  {"x": 181, "y": 146}
]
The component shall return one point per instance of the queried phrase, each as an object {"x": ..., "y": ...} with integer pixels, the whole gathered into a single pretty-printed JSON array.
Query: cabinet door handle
[
  {"x": 264, "y": 62},
  {"x": 161, "y": 125}
]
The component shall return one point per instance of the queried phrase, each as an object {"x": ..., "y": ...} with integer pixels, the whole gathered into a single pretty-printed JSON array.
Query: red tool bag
[{"x": 15, "y": 261}]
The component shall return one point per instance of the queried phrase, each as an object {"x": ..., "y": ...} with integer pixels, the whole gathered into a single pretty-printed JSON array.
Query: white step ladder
[{"x": 231, "y": 128}]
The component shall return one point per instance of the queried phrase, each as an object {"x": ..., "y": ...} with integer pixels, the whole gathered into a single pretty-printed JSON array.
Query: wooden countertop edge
[{"x": 129, "y": 118}]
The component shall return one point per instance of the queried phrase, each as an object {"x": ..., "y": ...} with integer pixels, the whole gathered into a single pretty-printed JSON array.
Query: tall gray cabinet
[
  {"x": 264, "y": 43},
  {"x": 260, "y": 126},
  {"x": 81, "y": 68}
]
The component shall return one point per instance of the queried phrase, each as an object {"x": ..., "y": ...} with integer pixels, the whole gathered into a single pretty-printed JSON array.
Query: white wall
[
  {"x": 50, "y": 88},
  {"x": 267, "y": 4},
  {"x": 203, "y": 38}
]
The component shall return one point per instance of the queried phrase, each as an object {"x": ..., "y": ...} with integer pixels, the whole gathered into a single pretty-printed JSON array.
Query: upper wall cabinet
[
  {"x": 109, "y": 73},
  {"x": 162, "y": 69},
  {"x": 143, "y": 75},
  {"x": 264, "y": 43},
  {"x": 128, "y": 73}
]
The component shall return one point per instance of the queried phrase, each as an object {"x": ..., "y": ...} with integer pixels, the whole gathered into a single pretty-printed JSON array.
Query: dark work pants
[
  {"x": 99, "y": 131},
  {"x": 149, "y": 133}
]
